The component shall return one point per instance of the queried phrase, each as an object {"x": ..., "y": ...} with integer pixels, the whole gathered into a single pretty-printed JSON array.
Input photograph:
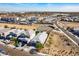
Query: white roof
[
  {"x": 17, "y": 31},
  {"x": 17, "y": 18},
  {"x": 36, "y": 37},
  {"x": 31, "y": 33},
  {"x": 23, "y": 19},
  {"x": 24, "y": 39},
  {"x": 41, "y": 37},
  {"x": 10, "y": 31}
]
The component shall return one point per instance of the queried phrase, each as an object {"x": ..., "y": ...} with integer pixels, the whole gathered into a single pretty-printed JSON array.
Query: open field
[
  {"x": 33, "y": 26},
  {"x": 57, "y": 45},
  {"x": 69, "y": 24}
]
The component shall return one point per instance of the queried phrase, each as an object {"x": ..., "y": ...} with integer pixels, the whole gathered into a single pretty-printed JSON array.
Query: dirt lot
[
  {"x": 33, "y": 26},
  {"x": 69, "y": 24},
  {"x": 14, "y": 52},
  {"x": 59, "y": 45}
]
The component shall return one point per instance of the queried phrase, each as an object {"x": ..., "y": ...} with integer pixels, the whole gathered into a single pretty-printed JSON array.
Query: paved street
[{"x": 72, "y": 37}]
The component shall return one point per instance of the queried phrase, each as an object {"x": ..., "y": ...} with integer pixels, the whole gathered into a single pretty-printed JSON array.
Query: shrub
[
  {"x": 13, "y": 38},
  {"x": 37, "y": 32},
  {"x": 68, "y": 28},
  {"x": 27, "y": 36},
  {"x": 39, "y": 45},
  {"x": 16, "y": 41},
  {"x": 0, "y": 35},
  {"x": 50, "y": 42},
  {"x": 13, "y": 27},
  {"x": 25, "y": 29},
  {"x": 6, "y": 26}
]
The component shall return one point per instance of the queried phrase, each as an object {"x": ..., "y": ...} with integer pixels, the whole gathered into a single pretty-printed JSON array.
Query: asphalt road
[{"x": 72, "y": 37}]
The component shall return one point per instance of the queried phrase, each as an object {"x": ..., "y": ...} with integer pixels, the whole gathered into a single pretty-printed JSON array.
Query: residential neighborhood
[{"x": 39, "y": 29}]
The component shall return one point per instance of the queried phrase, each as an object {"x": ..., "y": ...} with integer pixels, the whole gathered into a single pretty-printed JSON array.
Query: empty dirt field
[
  {"x": 59, "y": 45},
  {"x": 33, "y": 26},
  {"x": 69, "y": 24},
  {"x": 14, "y": 52}
]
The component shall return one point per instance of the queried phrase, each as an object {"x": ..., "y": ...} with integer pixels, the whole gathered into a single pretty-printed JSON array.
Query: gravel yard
[
  {"x": 59, "y": 45},
  {"x": 14, "y": 52}
]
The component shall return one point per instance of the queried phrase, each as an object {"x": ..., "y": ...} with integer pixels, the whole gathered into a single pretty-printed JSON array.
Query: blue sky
[{"x": 57, "y": 7}]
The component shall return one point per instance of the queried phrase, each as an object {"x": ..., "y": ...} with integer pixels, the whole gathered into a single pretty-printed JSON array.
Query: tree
[
  {"x": 39, "y": 45},
  {"x": 37, "y": 32},
  {"x": 0, "y": 35},
  {"x": 15, "y": 41},
  {"x": 5, "y": 26},
  {"x": 68, "y": 28}
]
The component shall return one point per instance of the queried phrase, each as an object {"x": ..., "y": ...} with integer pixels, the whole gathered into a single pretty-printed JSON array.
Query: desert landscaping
[{"x": 59, "y": 45}]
